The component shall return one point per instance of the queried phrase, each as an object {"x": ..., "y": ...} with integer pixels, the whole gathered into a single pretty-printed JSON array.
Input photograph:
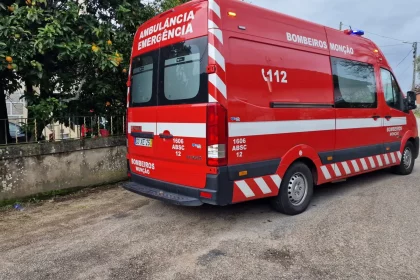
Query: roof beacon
[{"x": 354, "y": 32}]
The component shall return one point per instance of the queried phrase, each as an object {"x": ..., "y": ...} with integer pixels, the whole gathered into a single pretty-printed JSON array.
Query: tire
[
  {"x": 407, "y": 161},
  {"x": 298, "y": 176}
]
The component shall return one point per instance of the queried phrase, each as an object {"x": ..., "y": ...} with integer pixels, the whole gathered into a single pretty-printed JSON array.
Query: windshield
[{"x": 172, "y": 75}]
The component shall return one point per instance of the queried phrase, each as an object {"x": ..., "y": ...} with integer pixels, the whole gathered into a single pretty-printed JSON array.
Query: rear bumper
[
  {"x": 416, "y": 147},
  {"x": 218, "y": 186}
]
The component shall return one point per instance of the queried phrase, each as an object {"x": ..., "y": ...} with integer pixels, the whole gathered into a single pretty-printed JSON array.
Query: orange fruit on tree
[
  {"x": 9, "y": 59},
  {"x": 109, "y": 42},
  {"x": 10, "y": 66},
  {"x": 124, "y": 70},
  {"x": 11, "y": 8}
]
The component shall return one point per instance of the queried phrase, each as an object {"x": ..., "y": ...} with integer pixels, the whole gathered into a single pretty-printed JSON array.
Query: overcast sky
[{"x": 399, "y": 19}]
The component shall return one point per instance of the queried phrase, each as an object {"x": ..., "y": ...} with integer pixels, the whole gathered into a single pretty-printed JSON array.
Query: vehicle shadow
[{"x": 323, "y": 193}]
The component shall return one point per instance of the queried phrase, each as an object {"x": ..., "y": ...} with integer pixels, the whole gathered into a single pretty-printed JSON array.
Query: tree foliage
[{"x": 70, "y": 52}]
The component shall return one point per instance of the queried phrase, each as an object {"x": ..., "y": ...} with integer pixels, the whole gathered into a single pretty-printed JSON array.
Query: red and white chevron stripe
[
  {"x": 217, "y": 81},
  {"x": 253, "y": 188},
  {"x": 353, "y": 167},
  {"x": 266, "y": 186}
]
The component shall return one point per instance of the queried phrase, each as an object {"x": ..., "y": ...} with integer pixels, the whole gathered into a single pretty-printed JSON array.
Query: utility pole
[
  {"x": 414, "y": 65},
  {"x": 341, "y": 25}
]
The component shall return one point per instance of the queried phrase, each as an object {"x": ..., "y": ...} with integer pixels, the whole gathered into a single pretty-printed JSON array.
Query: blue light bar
[{"x": 358, "y": 32}]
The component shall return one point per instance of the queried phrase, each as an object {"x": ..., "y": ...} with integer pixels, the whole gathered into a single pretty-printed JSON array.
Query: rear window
[
  {"x": 182, "y": 77},
  {"x": 172, "y": 75},
  {"x": 142, "y": 83}
]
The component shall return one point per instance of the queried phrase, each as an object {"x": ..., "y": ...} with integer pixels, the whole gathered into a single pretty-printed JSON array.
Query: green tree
[
  {"x": 164, "y": 5},
  {"x": 76, "y": 53}
]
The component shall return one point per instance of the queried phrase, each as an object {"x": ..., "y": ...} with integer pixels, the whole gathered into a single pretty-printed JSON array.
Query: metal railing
[{"x": 27, "y": 130}]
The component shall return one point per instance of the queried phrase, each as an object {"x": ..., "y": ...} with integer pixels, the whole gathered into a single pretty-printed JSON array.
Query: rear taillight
[{"x": 216, "y": 135}]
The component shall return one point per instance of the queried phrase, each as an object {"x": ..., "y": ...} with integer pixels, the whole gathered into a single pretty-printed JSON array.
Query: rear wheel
[
  {"x": 296, "y": 190},
  {"x": 407, "y": 160}
]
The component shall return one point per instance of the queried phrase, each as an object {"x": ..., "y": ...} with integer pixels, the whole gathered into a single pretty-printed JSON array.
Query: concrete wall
[{"x": 34, "y": 168}]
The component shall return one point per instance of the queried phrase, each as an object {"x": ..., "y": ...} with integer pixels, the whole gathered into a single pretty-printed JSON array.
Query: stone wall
[{"x": 35, "y": 168}]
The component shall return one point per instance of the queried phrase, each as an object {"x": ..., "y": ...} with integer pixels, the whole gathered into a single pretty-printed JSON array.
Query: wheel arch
[
  {"x": 408, "y": 136},
  {"x": 305, "y": 154}
]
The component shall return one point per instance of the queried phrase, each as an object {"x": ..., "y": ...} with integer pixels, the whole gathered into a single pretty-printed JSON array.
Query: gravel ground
[{"x": 365, "y": 228}]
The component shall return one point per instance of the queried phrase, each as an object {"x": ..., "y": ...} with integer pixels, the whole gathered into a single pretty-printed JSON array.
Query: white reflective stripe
[
  {"x": 145, "y": 126},
  {"x": 263, "y": 185},
  {"x": 215, "y": 8},
  {"x": 276, "y": 179},
  {"x": 399, "y": 155},
  {"x": 278, "y": 127},
  {"x": 372, "y": 162},
  {"x": 196, "y": 130},
  {"x": 218, "y": 33},
  {"x": 358, "y": 123},
  {"x": 355, "y": 165},
  {"x": 346, "y": 167},
  {"x": 295, "y": 126},
  {"x": 246, "y": 190},
  {"x": 364, "y": 164},
  {"x": 380, "y": 160},
  {"x": 217, "y": 56},
  {"x": 336, "y": 170},
  {"x": 128, "y": 101},
  {"x": 211, "y": 99},
  {"x": 212, "y": 24},
  {"x": 395, "y": 121},
  {"x": 218, "y": 83},
  {"x": 386, "y": 159},
  {"x": 394, "y": 160},
  {"x": 326, "y": 173}
]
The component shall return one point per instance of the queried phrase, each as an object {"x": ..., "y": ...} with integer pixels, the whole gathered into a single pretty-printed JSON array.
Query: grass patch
[
  {"x": 39, "y": 197},
  {"x": 56, "y": 195}
]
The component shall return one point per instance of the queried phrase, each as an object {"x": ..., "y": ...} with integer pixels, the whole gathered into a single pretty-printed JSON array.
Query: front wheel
[
  {"x": 295, "y": 191},
  {"x": 407, "y": 160}
]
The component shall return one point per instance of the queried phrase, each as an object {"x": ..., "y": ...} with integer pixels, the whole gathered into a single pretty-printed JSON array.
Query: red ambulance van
[{"x": 229, "y": 102}]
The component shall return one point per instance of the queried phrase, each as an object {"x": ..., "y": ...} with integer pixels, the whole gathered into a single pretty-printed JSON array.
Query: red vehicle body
[{"x": 229, "y": 102}]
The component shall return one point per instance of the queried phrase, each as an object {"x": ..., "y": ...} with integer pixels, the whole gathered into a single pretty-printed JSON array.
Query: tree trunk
[{"x": 4, "y": 122}]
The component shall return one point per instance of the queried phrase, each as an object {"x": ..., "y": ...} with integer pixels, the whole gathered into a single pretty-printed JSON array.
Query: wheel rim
[
  {"x": 407, "y": 158},
  {"x": 297, "y": 189}
]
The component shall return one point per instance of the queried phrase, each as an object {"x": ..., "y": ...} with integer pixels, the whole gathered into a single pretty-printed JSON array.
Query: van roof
[
  {"x": 284, "y": 18},
  {"x": 308, "y": 25}
]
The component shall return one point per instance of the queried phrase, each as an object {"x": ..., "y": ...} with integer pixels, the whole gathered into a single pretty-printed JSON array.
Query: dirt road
[{"x": 365, "y": 228}]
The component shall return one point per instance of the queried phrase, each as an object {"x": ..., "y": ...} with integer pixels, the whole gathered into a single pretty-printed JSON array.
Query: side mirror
[{"x": 411, "y": 100}]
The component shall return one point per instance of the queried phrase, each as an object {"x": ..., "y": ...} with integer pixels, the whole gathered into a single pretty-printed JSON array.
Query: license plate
[{"x": 143, "y": 142}]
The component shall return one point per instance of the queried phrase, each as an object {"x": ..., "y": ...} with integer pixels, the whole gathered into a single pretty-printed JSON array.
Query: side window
[
  {"x": 392, "y": 92},
  {"x": 354, "y": 84}
]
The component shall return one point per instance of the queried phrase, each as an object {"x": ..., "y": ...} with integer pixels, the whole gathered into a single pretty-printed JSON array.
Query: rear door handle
[
  {"x": 388, "y": 117},
  {"x": 148, "y": 135}
]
